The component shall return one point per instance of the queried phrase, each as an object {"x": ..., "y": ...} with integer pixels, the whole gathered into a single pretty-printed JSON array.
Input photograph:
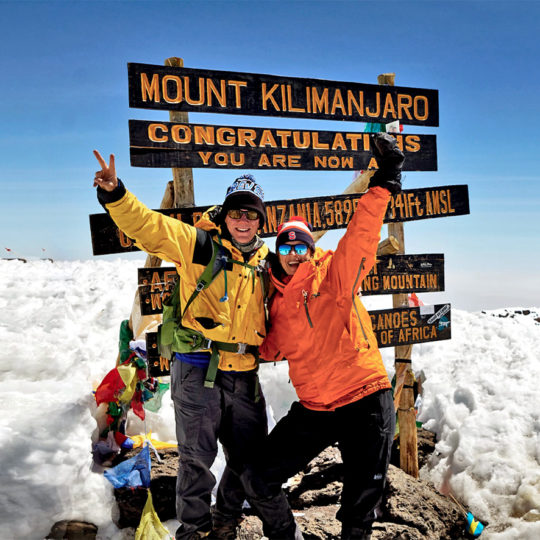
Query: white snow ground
[{"x": 59, "y": 333}]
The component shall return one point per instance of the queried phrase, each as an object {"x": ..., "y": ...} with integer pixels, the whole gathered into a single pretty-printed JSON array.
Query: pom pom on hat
[{"x": 296, "y": 229}]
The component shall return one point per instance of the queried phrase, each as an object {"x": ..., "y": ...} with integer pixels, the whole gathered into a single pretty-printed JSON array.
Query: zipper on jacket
[
  {"x": 354, "y": 300},
  {"x": 305, "y": 295}
]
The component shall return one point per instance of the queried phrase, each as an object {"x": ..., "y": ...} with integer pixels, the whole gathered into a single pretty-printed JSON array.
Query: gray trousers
[{"x": 228, "y": 412}]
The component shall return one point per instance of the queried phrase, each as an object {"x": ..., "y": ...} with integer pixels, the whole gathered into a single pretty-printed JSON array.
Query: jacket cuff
[{"x": 106, "y": 197}]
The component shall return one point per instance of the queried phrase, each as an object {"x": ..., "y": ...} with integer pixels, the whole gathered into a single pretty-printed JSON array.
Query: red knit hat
[{"x": 297, "y": 228}]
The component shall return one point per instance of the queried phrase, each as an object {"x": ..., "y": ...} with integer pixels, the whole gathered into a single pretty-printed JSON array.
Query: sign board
[
  {"x": 324, "y": 213},
  {"x": 398, "y": 274},
  {"x": 392, "y": 327},
  {"x": 168, "y": 144},
  {"x": 405, "y": 326},
  {"x": 391, "y": 274},
  {"x": 211, "y": 91}
]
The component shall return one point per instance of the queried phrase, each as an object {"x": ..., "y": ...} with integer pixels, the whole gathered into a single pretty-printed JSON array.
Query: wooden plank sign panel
[
  {"x": 397, "y": 274},
  {"x": 157, "y": 365},
  {"x": 167, "y": 144},
  {"x": 324, "y": 213},
  {"x": 392, "y": 327},
  {"x": 203, "y": 90},
  {"x": 392, "y": 274},
  {"x": 155, "y": 285},
  {"x": 405, "y": 326}
]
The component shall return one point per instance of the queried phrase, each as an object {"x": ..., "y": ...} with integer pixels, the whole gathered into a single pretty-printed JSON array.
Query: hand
[
  {"x": 390, "y": 161},
  {"x": 106, "y": 178}
]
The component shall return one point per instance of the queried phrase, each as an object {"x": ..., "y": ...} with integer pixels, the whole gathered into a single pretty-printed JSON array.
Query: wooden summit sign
[
  {"x": 168, "y": 144},
  {"x": 409, "y": 325},
  {"x": 324, "y": 213},
  {"x": 391, "y": 274},
  {"x": 392, "y": 327},
  {"x": 203, "y": 90}
]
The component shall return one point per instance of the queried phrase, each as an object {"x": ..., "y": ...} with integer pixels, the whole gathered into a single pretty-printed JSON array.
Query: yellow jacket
[{"x": 241, "y": 319}]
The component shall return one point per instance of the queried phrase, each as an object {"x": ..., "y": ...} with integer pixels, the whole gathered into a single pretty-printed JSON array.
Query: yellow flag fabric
[
  {"x": 128, "y": 374},
  {"x": 138, "y": 440},
  {"x": 150, "y": 528}
]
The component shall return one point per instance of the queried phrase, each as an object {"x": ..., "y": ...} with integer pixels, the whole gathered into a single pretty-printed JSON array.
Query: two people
[{"x": 317, "y": 323}]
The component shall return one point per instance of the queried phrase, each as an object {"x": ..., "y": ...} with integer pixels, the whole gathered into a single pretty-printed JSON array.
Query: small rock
[{"x": 73, "y": 530}]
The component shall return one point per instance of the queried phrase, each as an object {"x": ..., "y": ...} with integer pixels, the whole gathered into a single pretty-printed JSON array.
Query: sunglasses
[
  {"x": 252, "y": 215},
  {"x": 299, "y": 249}
]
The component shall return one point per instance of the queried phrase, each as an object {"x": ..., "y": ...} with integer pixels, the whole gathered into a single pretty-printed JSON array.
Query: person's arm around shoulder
[
  {"x": 356, "y": 251},
  {"x": 156, "y": 234}
]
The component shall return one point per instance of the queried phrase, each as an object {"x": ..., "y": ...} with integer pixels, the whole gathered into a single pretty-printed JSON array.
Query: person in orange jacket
[{"x": 319, "y": 325}]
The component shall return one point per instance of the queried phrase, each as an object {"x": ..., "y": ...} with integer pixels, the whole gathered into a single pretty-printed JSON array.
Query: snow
[{"x": 59, "y": 329}]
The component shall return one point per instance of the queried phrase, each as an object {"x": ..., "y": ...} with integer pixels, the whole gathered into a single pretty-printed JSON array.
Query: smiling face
[
  {"x": 242, "y": 230},
  {"x": 290, "y": 262}
]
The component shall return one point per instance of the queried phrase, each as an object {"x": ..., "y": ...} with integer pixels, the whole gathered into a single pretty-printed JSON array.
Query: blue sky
[{"x": 64, "y": 92}]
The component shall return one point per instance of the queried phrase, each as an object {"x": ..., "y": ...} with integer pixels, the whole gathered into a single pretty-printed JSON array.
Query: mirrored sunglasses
[
  {"x": 252, "y": 215},
  {"x": 299, "y": 249}
]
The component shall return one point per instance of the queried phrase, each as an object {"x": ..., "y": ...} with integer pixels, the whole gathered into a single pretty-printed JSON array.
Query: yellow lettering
[
  {"x": 205, "y": 156},
  {"x": 267, "y": 139},
  {"x": 339, "y": 142},
  {"x": 421, "y": 102},
  {"x": 358, "y": 105},
  {"x": 389, "y": 108},
  {"x": 377, "y": 110},
  {"x": 220, "y": 95},
  {"x": 153, "y": 136},
  {"x": 226, "y": 136},
  {"x": 247, "y": 136},
  {"x": 337, "y": 103},
  {"x": 237, "y": 86},
  {"x": 165, "y": 88},
  {"x": 150, "y": 90},
  {"x": 176, "y": 134},
  {"x": 189, "y": 100},
  {"x": 267, "y": 95},
  {"x": 320, "y": 103},
  {"x": 204, "y": 134}
]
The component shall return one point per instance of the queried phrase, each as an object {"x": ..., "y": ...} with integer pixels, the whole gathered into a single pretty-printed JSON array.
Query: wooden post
[
  {"x": 403, "y": 393},
  {"x": 178, "y": 193}
]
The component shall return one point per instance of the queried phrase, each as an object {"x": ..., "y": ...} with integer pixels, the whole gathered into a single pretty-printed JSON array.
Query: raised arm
[
  {"x": 156, "y": 234},
  {"x": 356, "y": 251}
]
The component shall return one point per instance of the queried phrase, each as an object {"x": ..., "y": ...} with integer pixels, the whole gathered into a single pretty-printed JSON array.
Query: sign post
[
  {"x": 178, "y": 193},
  {"x": 404, "y": 378}
]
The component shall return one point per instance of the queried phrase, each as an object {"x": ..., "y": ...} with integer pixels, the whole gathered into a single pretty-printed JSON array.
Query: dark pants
[
  {"x": 228, "y": 412},
  {"x": 364, "y": 431}
]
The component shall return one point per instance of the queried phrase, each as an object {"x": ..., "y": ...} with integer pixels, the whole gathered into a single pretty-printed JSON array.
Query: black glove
[{"x": 389, "y": 159}]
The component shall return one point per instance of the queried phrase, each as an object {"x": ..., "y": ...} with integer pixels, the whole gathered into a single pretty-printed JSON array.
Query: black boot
[{"x": 224, "y": 527}]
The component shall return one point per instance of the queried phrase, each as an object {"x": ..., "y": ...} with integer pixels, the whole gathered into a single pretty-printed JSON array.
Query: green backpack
[{"x": 173, "y": 337}]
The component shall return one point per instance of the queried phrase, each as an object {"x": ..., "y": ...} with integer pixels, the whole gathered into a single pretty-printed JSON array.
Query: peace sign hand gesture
[{"x": 106, "y": 178}]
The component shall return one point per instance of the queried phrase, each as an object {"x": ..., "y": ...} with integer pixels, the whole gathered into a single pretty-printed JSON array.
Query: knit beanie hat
[
  {"x": 297, "y": 228},
  {"x": 244, "y": 192}
]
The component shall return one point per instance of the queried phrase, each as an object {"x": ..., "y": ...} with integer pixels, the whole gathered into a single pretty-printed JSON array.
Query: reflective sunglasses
[
  {"x": 299, "y": 249},
  {"x": 252, "y": 215}
]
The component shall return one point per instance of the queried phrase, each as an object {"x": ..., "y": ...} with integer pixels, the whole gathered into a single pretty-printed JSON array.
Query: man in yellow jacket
[{"x": 212, "y": 402}]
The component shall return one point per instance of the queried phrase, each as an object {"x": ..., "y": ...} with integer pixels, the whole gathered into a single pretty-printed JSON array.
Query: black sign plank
[
  {"x": 392, "y": 274},
  {"x": 405, "y": 326},
  {"x": 324, "y": 213},
  {"x": 203, "y": 90},
  {"x": 155, "y": 285},
  {"x": 392, "y": 327},
  {"x": 396, "y": 274},
  {"x": 168, "y": 144}
]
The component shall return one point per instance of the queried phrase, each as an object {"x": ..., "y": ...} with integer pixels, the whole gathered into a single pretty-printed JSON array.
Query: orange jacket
[{"x": 319, "y": 324}]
